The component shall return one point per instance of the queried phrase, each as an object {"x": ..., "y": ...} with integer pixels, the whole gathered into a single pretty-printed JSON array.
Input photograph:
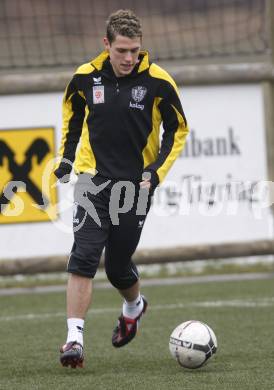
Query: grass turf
[{"x": 240, "y": 313}]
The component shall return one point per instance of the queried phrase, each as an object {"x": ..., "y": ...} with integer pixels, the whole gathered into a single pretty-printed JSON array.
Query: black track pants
[{"x": 110, "y": 215}]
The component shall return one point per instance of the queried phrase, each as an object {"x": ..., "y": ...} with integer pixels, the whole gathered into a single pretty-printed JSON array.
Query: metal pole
[{"x": 268, "y": 90}]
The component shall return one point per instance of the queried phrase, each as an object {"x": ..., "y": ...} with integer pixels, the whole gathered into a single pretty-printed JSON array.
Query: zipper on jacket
[{"x": 117, "y": 88}]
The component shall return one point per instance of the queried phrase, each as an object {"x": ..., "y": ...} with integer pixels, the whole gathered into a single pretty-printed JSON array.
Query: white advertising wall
[{"x": 214, "y": 193}]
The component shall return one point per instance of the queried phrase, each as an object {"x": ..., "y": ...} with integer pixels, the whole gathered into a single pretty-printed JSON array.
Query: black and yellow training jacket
[{"x": 117, "y": 121}]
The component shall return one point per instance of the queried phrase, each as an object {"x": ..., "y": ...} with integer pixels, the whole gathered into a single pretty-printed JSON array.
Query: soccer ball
[{"x": 192, "y": 343}]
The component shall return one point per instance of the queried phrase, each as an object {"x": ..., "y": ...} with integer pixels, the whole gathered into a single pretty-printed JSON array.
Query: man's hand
[
  {"x": 145, "y": 183},
  {"x": 150, "y": 180}
]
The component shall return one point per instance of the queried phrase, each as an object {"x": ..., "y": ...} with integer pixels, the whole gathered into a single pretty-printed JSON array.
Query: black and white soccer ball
[{"x": 192, "y": 343}]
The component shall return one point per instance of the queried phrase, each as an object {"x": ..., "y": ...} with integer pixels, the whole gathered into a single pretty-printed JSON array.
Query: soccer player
[{"x": 112, "y": 110}]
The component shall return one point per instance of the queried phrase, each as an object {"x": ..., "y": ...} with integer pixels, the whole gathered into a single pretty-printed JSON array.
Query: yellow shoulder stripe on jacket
[
  {"x": 85, "y": 160},
  {"x": 151, "y": 150},
  {"x": 159, "y": 73},
  {"x": 177, "y": 147},
  {"x": 99, "y": 60},
  {"x": 85, "y": 69},
  {"x": 144, "y": 63}
]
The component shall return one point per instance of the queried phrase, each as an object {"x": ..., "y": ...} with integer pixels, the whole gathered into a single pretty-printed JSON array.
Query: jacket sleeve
[
  {"x": 174, "y": 135},
  {"x": 73, "y": 117}
]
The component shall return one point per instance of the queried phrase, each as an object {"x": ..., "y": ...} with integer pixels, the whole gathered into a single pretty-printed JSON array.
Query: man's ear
[{"x": 106, "y": 43}]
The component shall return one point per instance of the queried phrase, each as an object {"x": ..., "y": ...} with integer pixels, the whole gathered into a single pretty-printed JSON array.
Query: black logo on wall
[
  {"x": 27, "y": 186},
  {"x": 20, "y": 172}
]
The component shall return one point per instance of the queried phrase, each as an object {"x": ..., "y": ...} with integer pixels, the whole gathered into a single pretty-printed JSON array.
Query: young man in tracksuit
[{"x": 112, "y": 110}]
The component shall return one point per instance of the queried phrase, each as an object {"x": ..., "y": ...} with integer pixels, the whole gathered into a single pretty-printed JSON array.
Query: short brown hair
[{"x": 123, "y": 22}]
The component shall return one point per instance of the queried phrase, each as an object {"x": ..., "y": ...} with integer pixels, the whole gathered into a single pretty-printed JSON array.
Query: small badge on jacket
[{"x": 98, "y": 94}]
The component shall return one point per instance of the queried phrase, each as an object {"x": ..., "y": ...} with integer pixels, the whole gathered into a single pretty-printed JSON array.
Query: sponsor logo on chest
[
  {"x": 138, "y": 93},
  {"x": 98, "y": 93}
]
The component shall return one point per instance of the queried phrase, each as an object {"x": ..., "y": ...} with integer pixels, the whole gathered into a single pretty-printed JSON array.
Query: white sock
[
  {"x": 75, "y": 330},
  {"x": 133, "y": 308}
]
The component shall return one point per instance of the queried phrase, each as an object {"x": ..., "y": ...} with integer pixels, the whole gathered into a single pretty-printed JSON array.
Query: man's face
[{"x": 123, "y": 53}]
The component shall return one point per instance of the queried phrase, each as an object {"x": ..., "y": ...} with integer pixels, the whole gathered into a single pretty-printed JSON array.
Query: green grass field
[{"x": 241, "y": 314}]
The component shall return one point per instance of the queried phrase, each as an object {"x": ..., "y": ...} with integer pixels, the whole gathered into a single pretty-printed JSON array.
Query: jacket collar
[{"x": 102, "y": 59}]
